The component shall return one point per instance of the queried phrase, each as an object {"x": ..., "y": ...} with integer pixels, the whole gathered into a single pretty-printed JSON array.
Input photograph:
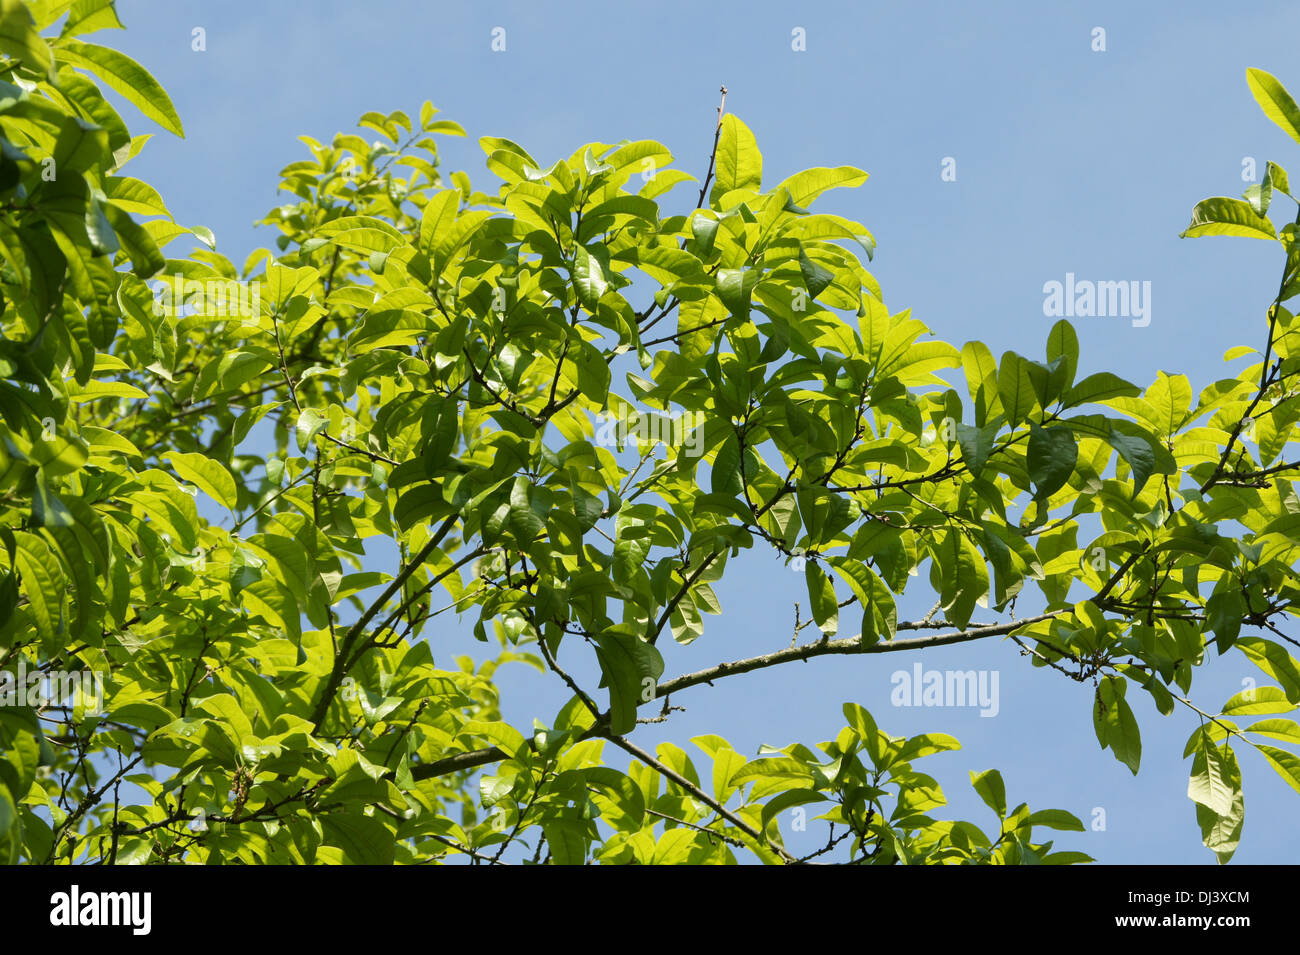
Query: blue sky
[{"x": 1067, "y": 160}]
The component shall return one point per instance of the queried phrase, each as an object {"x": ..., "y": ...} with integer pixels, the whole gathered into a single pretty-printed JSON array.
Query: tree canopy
[{"x": 558, "y": 403}]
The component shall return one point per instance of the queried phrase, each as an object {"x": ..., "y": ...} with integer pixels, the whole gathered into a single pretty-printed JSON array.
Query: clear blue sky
[{"x": 1068, "y": 160}]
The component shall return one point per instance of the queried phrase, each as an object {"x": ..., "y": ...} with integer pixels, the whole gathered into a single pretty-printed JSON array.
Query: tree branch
[
  {"x": 459, "y": 762},
  {"x": 341, "y": 661},
  {"x": 713, "y": 155},
  {"x": 669, "y": 773},
  {"x": 849, "y": 646}
]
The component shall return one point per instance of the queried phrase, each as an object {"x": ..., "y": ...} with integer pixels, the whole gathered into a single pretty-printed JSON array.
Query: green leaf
[
  {"x": 879, "y": 614},
  {"x": 127, "y": 77},
  {"x": 976, "y": 444},
  {"x": 567, "y": 840},
  {"x": 1051, "y": 457},
  {"x": 437, "y": 218},
  {"x": 1257, "y": 700},
  {"x": 310, "y": 423},
  {"x": 788, "y": 800},
  {"x": 503, "y": 735},
  {"x": 47, "y": 509},
  {"x": 992, "y": 790},
  {"x": 1224, "y": 216},
  {"x": 959, "y": 574},
  {"x": 629, "y": 556},
  {"x": 456, "y": 235},
  {"x": 1056, "y": 819},
  {"x": 815, "y": 278},
  {"x": 1275, "y": 101},
  {"x": 87, "y": 16},
  {"x": 1015, "y": 388},
  {"x": 982, "y": 381},
  {"x": 821, "y": 596},
  {"x": 210, "y": 476},
  {"x": 739, "y": 163},
  {"x": 1099, "y": 387},
  {"x": 734, "y": 286},
  {"x": 927, "y": 744},
  {"x": 705, "y": 232},
  {"x": 146, "y": 715},
  {"x": 775, "y": 767},
  {"x": 364, "y": 839},
  {"x": 103, "y": 241},
  {"x": 57, "y": 455},
  {"x": 1260, "y": 195},
  {"x": 589, "y": 279},
  {"x": 1210, "y": 783},
  {"x": 1222, "y": 834},
  {"x": 620, "y": 801},
  {"x": 862, "y": 723},
  {"x": 1288, "y": 731},
  {"x": 1063, "y": 343},
  {"x": 1277, "y": 178},
  {"x": 19, "y": 39},
  {"x": 1115, "y": 724},
  {"x": 1274, "y": 660},
  {"x": 363, "y": 234},
  {"x": 80, "y": 146},
  {"x": 806, "y": 186},
  {"x": 724, "y": 476},
  {"x": 146, "y": 260},
  {"x": 42, "y": 582},
  {"x": 1286, "y": 764},
  {"x": 1137, "y": 454},
  {"x": 631, "y": 667},
  {"x": 594, "y": 168}
]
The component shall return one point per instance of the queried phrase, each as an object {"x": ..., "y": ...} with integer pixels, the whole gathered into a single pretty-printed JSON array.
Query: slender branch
[
  {"x": 687, "y": 584},
  {"x": 460, "y": 762},
  {"x": 713, "y": 154},
  {"x": 274, "y": 497},
  {"x": 682, "y": 333},
  {"x": 410, "y": 601},
  {"x": 88, "y": 802},
  {"x": 500, "y": 399},
  {"x": 1252, "y": 476},
  {"x": 453, "y": 844},
  {"x": 849, "y": 646},
  {"x": 669, "y": 773},
  {"x": 712, "y": 834},
  {"x": 342, "y": 661},
  {"x": 1264, "y": 378},
  {"x": 572, "y": 684}
]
